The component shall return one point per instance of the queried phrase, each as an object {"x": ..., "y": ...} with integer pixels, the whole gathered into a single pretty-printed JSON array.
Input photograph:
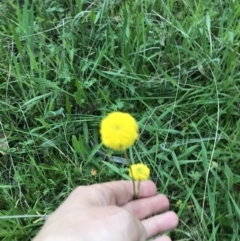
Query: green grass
[{"x": 174, "y": 65}]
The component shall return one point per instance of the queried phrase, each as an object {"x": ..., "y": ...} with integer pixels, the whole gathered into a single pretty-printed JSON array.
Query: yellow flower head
[
  {"x": 119, "y": 131},
  {"x": 139, "y": 172}
]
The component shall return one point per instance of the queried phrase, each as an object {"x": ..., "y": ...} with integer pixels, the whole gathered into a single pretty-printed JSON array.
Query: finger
[
  {"x": 121, "y": 192},
  {"x": 145, "y": 207},
  {"x": 111, "y": 193},
  {"x": 160, "y": 223},
  {"x": 163, "y": 238}
]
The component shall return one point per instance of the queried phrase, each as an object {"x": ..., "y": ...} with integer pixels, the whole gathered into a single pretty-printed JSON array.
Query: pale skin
[{"x": 108, "y": 212}]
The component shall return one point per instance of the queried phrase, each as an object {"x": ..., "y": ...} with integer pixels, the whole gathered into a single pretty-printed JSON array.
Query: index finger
[
  {"x": 113, "y": 193},
  {"x": 121, "y": 192}
]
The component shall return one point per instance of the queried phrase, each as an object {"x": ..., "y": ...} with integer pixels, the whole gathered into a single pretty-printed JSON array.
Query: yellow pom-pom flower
[
  {"x": 139, "y": 172},
  {"x": 119, "y": 131}
]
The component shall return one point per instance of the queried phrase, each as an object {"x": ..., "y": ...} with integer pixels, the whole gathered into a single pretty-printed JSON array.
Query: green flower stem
[
  {"x": 138, "y": 188},
  {"x": 135, "y": 195}
]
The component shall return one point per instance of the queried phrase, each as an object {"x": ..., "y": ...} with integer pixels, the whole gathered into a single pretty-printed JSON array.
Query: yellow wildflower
[
  {"x": 139, "y": 172},
  {"x": 119, "y": 131},
  {"x": 93, "y": 172}
]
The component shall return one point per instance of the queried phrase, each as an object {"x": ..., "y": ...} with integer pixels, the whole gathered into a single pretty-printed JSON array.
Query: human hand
[{"x": 106, "y": 212}]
